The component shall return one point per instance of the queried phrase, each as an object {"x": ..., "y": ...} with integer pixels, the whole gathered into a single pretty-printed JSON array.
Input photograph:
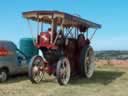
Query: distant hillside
[{"x": 112, "y": 54}]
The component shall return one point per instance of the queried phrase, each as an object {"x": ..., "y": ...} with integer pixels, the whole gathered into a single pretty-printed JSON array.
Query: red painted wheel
[{"x": 35, "y": 74}]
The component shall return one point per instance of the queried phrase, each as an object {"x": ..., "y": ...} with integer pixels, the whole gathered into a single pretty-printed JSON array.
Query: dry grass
[
  {"x": 121, "y": 63},
  {"x": 107, "y": 81}
]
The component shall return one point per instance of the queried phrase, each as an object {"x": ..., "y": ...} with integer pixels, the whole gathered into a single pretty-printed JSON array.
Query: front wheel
[
  {"x": 36, "y": 69},
  {"x": 3, "y": 75},
  {"x": 63, "y": 71}
]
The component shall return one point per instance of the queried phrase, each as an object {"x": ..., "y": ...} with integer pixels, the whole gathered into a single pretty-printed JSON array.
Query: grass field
[{"x": 107, "y": 81}]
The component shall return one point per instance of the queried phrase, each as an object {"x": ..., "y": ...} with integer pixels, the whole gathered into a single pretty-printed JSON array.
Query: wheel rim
[
  {"x": 37, "y": 74},
  {"x": 64, "y": 70},
  {"x": 3, "y": 76},
  {"x": 89, "y": 63}
]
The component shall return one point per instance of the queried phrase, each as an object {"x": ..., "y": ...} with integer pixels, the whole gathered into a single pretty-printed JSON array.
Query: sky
[{"x": 111, "y": 14}]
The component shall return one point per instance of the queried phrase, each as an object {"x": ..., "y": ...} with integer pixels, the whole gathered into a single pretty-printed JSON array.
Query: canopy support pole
[
  {"x": 38, "y": 29},
  {"x": 87, "y": 34},
  {"x": 61, "y": 29},
  {"x": 93, "y": 34},
  {"x": 53, "y": 30},
  {"x": 29, "y": 25}
]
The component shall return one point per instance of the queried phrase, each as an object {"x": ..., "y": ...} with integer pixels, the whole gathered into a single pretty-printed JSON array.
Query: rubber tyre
[
  {"x": 33, "y": 65},
  {"x": 87, "y": 69},
  {"x": 3, "y": 75},
  {"x": 66, "y": 71}
]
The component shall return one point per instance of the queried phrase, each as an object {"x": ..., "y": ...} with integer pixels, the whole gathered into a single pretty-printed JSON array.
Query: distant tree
[{"x": 108, "y": 60}]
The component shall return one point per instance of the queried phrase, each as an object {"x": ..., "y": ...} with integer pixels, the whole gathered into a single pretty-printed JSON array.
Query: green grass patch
[{"x": 107, "y": 81}]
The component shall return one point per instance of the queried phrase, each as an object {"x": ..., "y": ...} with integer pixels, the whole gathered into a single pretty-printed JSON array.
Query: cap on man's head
[{"x": 49, "y": 29}]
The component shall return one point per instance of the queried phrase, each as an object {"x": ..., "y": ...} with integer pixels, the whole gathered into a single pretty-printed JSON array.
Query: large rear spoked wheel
[
  {"x": 36, "y": 67},
  {"x": 87, "y": 62},
  {"x": 63, "y": 71}
]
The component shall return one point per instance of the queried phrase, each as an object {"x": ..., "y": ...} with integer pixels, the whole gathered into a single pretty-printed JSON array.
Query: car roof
[{"x": 68, "y": 19}]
